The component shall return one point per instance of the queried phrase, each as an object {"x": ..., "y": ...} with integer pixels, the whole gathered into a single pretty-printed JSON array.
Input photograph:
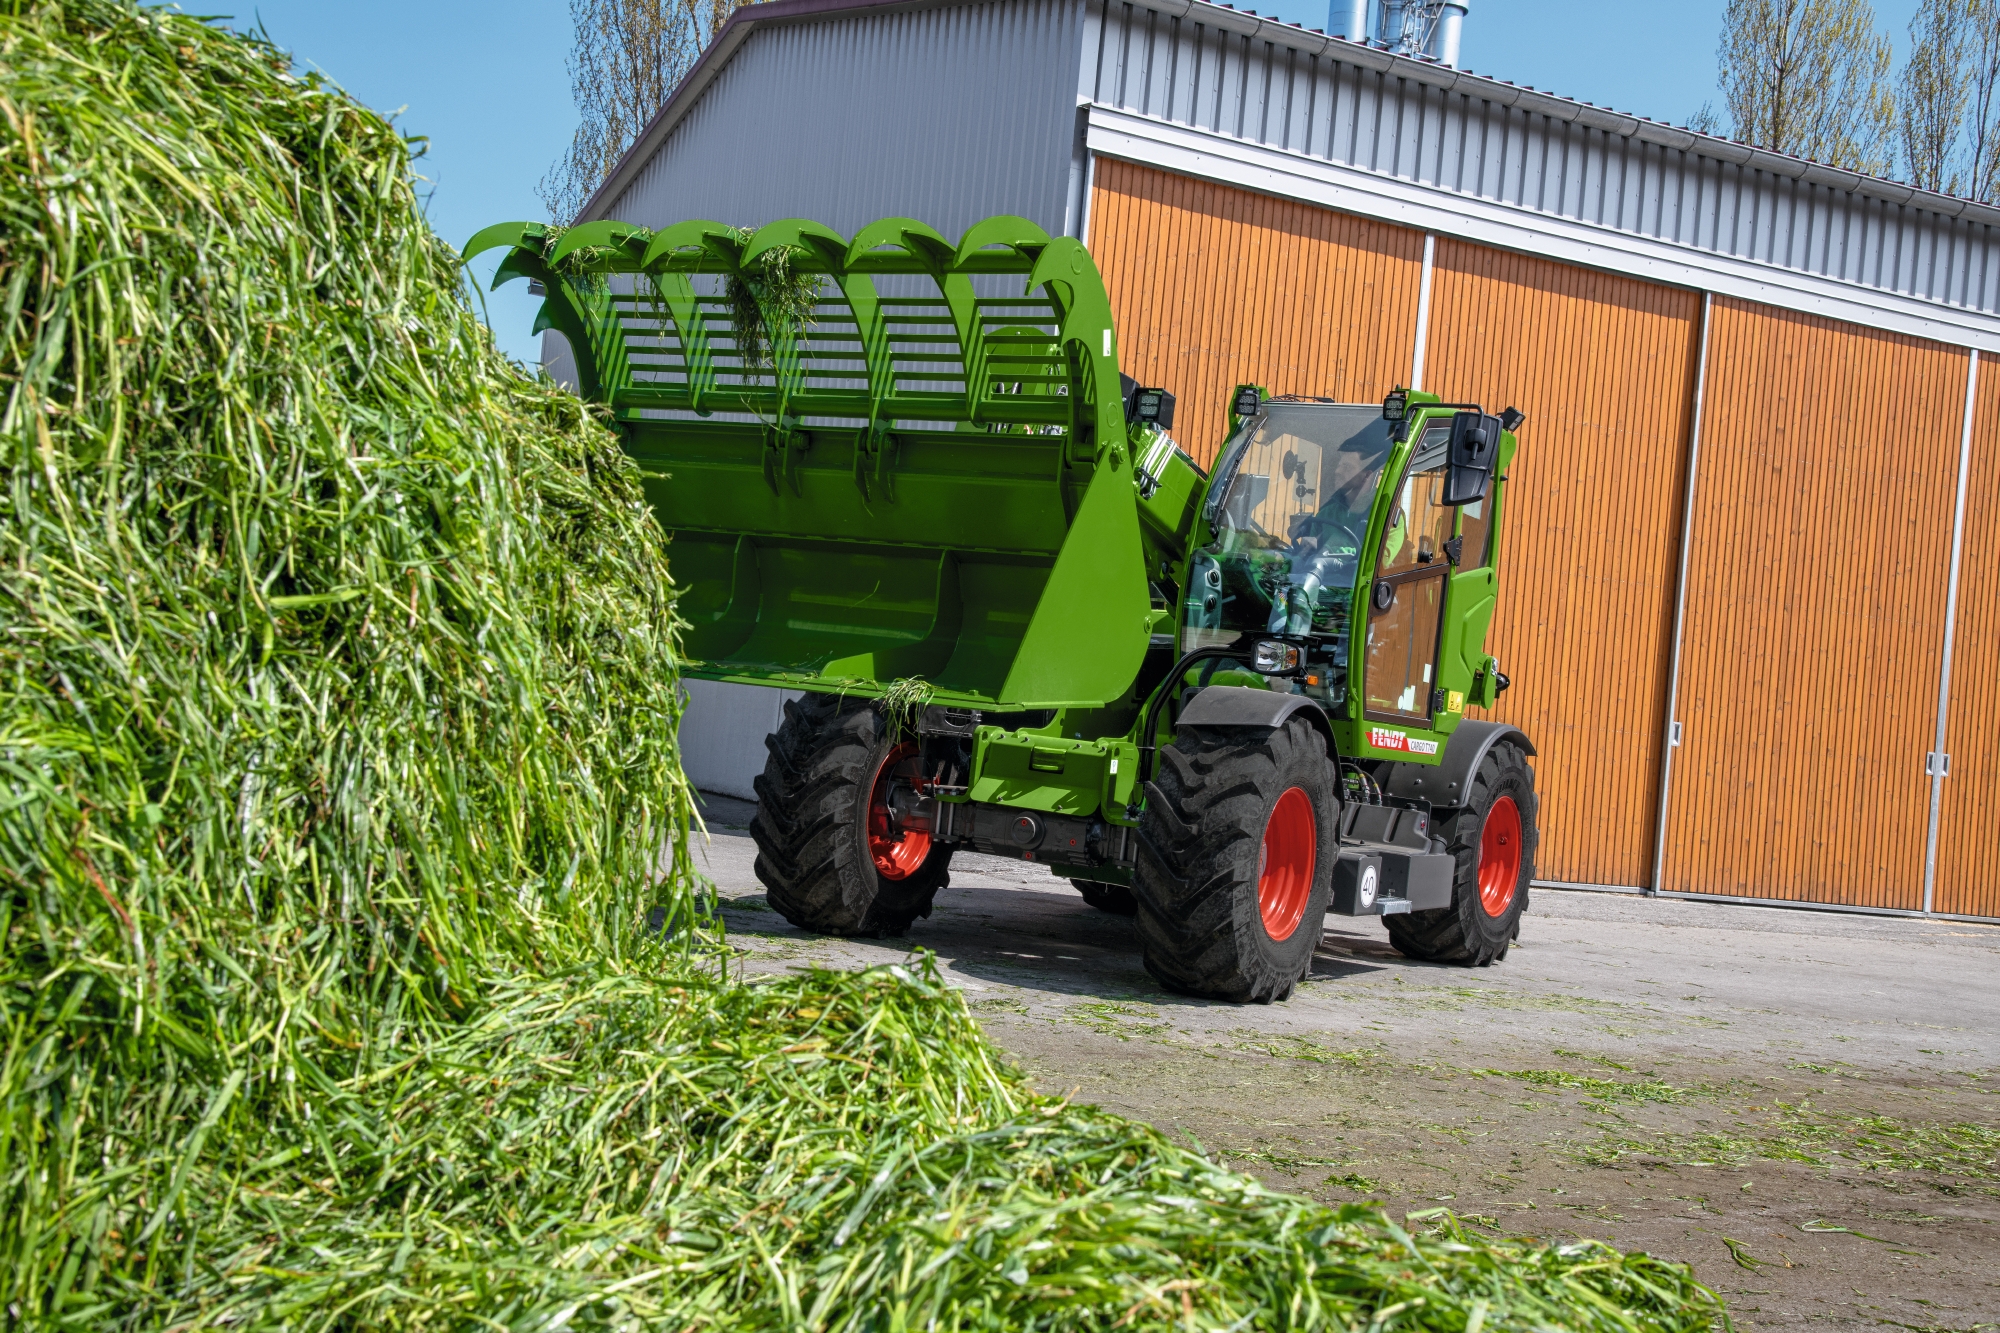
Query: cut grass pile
[
  {"x": 336, "y": 665},
  {"x": 337, "y": 699}
]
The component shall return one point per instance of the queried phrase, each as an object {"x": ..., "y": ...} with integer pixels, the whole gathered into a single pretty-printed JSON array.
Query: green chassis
[{"x": 935, "y": 482}]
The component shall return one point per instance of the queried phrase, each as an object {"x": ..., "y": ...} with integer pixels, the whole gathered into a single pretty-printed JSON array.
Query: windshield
[{"x": 1289, "y": 521}]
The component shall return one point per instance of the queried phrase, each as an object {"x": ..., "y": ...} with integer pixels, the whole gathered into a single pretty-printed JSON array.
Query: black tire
[
  {"x": 1113, "y": 898},
  {"x": 811, "y": 825},
  {"x": 1466, "y": 932},
  {"x": 1200, "y": 847}
]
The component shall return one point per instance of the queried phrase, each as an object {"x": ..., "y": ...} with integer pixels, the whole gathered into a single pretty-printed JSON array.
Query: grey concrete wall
[{"x": 722, "y": 734}]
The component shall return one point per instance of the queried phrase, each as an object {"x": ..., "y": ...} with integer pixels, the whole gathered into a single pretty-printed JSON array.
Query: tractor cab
[{"x": 1359, "y": 535}]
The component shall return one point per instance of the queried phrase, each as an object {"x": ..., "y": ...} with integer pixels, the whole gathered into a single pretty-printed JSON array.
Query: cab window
[
  {"x": 1419, "y": 524},
  {"x": 1475, "y": 532}
]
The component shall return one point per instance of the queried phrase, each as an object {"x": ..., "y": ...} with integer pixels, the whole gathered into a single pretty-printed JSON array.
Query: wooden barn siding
[
  {"x": 1968, "y": 871},
  {"x": 1212, "y": 287},
  {"x": 1816, "y": 593},
  {"x": 1604, "y": 368},
  {"x": 1815, "y": 617}
]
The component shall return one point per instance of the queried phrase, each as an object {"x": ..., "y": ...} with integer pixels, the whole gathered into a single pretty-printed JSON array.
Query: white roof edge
[
  {"x": 750, "y": 17},
  {"x": 1500, "y": 93},
  {"x": 1266, "y": 170}
]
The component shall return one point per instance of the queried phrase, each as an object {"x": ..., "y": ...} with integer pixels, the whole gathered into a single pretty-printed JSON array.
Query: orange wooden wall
[
  {"x": 1603, "y": 366},
  {"x": 1968, "y": 871},
  {"x": 1213, "y": 287},
  {"x": 1822, "y": 533},
  {"x": 1821, "y": 539}
]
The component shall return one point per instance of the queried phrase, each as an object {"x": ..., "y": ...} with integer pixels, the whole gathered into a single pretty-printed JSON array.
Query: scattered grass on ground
[
  {"x": 1120, "y": 1020},
  {"x": 1596, "y": 1089},
  {"x": 1284, "y": 1161},
  {"x": 1310, "y": 1050},
  {"x": 1948, "y": 1156}
]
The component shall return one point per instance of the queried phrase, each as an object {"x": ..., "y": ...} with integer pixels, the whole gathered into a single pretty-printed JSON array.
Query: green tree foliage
[
  {"x": 1809, "y": 78},
  {"x": 629, "y": 56}
]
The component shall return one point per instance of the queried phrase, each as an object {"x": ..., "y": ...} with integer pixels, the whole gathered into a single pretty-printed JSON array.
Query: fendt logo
[{"x": 1384, "y": 739}]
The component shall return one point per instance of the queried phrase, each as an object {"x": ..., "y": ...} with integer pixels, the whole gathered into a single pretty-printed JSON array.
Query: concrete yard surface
[{"x": 1805, "y": 1106}]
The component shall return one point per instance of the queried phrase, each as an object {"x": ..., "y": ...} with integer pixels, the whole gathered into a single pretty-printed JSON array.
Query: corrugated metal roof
[
  {"x": 1238, "y": 77},
  {"x": 950, "y": 110},
  {"x": 946, "y": 114}
]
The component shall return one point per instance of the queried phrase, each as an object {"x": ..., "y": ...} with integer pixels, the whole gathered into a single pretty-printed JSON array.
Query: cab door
[
  {"x": 1474, "y": 592},
  {"x": 1406, "y": 603}
]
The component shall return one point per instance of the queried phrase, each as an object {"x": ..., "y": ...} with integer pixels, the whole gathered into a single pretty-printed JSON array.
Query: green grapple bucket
[{"x": 920, "y": 479}]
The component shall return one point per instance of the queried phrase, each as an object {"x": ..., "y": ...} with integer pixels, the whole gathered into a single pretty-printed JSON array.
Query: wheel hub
[
  {"x": 1499, "y": 856},
  {"x": 896, "y": 852},
  {"x": 1285, "y": 863}
]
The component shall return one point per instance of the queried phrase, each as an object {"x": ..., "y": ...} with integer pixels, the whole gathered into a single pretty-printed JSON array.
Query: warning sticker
[{"x": 1454, "y": 701}]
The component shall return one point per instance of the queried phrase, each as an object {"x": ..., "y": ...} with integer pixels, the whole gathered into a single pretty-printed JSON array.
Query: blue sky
[{"x": 485, "y": 83}]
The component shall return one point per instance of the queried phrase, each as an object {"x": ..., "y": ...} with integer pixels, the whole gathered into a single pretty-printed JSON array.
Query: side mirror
[{"x": 1475, "y": 444}]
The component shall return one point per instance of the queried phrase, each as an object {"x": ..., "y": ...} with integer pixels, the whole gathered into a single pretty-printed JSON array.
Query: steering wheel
[{"x": 1323, "y": 522}]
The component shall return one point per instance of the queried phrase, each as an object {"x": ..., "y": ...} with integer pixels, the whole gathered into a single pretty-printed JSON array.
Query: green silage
[
  {"x": 338, "y": 788},
  {"x": 336, "y": 664}
]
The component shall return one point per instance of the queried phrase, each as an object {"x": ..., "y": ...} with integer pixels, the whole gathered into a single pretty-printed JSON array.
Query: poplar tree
[
  {"x": 1810, "y": 78},
  {"x": 628, "y": 57},
  {"x": 1931, "y": 94},
  {"x": 1982, "y": 110}
]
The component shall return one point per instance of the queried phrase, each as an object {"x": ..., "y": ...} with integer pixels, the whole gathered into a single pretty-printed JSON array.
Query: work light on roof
[{"x": 1156, "y": 406}]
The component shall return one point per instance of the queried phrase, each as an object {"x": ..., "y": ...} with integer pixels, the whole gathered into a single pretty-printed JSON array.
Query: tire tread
[{"x": 811, "y": 846}]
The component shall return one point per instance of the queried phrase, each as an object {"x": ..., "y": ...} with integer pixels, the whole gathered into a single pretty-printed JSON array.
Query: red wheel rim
[
  {"x": 1285, "y": 864},
  {"x": 1499, "y": 856},
  {"x": 895, "y": 856}
]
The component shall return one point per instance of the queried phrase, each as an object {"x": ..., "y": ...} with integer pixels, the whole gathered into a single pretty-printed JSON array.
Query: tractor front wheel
[
  {"x": 1235, "y": 864},
  {"x": 828, "y": 855},
  {"x": 1494, "y": 840}
]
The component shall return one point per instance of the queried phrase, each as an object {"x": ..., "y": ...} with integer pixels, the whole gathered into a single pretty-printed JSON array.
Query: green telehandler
[{"x": 904, "y": 475}]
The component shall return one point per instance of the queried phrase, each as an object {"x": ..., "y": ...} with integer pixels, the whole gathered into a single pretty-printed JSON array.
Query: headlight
[{"x": 1275, "y": 657}]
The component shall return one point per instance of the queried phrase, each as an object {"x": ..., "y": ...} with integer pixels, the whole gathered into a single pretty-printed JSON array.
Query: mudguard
[
  {"x": 1445, "y": 785},
  {"x": 1243, "y": 706}
]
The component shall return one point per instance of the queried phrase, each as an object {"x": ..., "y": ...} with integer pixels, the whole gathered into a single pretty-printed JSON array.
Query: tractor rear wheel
[
  {"x": 1113, "y": 898},
  {"x": 1235, "y": 863},
  {"x": 1494, "y": 840},
  {"x": 828, "y": 857}
]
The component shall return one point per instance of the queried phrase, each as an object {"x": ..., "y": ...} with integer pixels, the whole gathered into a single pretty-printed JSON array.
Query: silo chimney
[
  {"x": 1348, "y": 18},
  {"x": 1394, "y": 18},
  {"x": 1443, "y": 46}
]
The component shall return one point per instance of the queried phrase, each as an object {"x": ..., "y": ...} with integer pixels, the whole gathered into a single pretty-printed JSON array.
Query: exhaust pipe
[
  {"x": 1348, "y": 18},
  {"x": 1443, "y": 46}
]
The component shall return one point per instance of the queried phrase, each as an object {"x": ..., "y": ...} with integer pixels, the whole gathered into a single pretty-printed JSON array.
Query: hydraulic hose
[{"x": 1148, "y": 747}]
